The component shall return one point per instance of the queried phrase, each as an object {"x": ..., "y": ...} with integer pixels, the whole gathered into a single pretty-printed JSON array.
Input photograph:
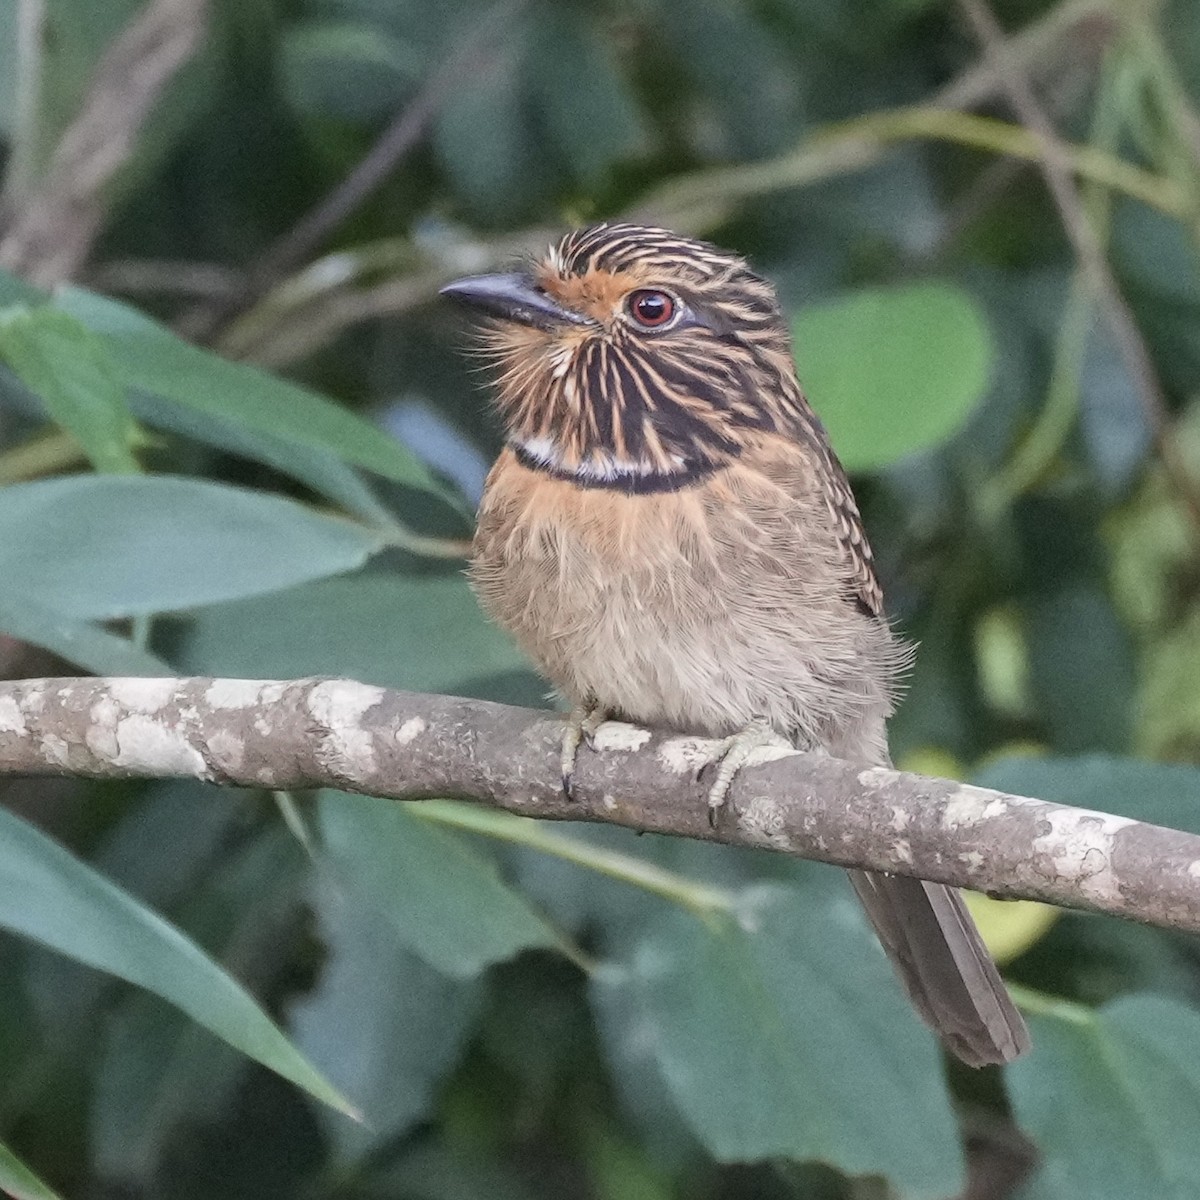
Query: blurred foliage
[{"x": 521, "y": 1013}]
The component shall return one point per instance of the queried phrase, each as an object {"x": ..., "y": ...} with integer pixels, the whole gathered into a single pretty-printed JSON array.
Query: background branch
[
  {"x": 1055, "y": 163},
  {"x": 404, "y": 133},
  {"x": 312, "y": 733},
  {"x": 51, "y": 229}
]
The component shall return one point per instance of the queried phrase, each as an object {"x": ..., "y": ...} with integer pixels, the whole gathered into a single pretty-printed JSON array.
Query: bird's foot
[
  {"x": 732, "y": 753},
  {"x": 582, "y": 722}
]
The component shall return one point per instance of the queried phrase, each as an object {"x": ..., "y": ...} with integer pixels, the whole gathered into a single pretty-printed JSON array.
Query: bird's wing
[
  {"x": 853, "y": 538},
  {"x": 793, "y": 462}
]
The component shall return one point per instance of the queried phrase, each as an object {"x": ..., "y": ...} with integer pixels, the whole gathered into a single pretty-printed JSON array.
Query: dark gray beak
[{"x": 512, "y": 297}]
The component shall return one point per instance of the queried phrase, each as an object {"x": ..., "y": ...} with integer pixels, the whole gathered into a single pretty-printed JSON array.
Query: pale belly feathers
[{"x": 700, "y": 610}]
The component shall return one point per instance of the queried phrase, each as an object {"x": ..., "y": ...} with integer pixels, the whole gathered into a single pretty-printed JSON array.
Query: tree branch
[{"x": 311, "y": 733}]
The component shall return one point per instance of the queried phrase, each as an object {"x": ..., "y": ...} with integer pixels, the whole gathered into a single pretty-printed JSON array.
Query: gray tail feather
[{"x": 944, "y": 965}]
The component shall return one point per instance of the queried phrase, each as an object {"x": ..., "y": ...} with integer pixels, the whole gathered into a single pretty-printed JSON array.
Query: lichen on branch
[{"x": 317, "y": 733}]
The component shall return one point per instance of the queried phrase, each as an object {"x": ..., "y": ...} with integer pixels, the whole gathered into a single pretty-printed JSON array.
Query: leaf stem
[
  {"x": 1041, "y": 1004},
  {"x": 695, "y": 897},
  {"x": 45, "y": 454}
]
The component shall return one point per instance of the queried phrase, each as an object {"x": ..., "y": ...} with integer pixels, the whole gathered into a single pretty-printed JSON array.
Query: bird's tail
[{"x": 944, "y": 965}]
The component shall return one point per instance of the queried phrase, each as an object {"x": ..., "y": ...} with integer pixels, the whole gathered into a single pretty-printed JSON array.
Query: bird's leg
[
  {"x": 582, "y": 722},
  {"x": 731, "y": 755}
]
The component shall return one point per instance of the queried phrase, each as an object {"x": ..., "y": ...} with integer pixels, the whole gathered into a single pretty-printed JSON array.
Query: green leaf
[
  {"x": 635, "y": 1065},
  {"x": 1112, "y": 1101},
  {"x": 1160, "y": 793},
  {"x": 619, "y": 1168},
  {"x": 320, "y": 470},
  {"x": 583, "y": 99},
  {"x": 444, "y": 1169},
  {"x": 781, "y": 1033},
  {"x": 71, "y": 370},
  {"x": 19, "y": 1182},
  {"x": 939, "y": 706},
  {"x": 855, "y": 25},
  {"x": 748, "y": 113},
  {"x": 116, "y": 546},
  {"x": 420, "y": 630},
  {"x": 155, "y": 1070},
  {"x": 1114, "y": 423},
  {"x": 79, "y": 642},
  {"x": 350, "y": 70},
  {"x": 14, "y": 290},
  {"x": 384, "y": 1026},
  {"x": 52, "y": 897},
  {"x": 443, "y": 898},
  {"x": 893, "y": 370},
  {"x": 153, "y": 359},
  {"x": 482, "y": 137},
  {"x": 637, "y": 869},
  {"x": 1154, "y": 253},
  {"x": 1076, "y": 638},
  {"x": 1167, "y": 709}
]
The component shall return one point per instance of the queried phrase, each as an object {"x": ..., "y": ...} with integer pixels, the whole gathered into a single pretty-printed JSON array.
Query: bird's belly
[
  {"x": 693, "y": 662},
  {"x": 664, "y": 612}
]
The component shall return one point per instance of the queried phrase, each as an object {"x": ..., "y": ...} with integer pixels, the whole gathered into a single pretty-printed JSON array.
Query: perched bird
[{"x": 670, "y": 537}]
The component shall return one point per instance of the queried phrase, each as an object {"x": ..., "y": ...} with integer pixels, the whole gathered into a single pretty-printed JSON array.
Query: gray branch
[{"x": 313, "y": 733}]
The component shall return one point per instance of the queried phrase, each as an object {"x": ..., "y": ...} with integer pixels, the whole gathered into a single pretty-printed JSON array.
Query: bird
[{"x": 668, "y": 534}]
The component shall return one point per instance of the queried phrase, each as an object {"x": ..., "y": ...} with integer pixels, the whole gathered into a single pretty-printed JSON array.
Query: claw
[
  {"x": 731, "y": 756},
  {"x": 582, "y": 723}
]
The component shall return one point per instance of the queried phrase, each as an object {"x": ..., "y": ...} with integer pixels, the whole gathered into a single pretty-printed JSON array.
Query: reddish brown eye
[{"x": 651, "y": 309}]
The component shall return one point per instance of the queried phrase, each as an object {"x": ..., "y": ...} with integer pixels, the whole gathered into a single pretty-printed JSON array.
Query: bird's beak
[{"x": 512, "y": 297}]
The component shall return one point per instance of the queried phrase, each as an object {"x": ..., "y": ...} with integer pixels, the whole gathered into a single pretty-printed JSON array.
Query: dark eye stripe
[
  {"x": 636, "y": 374},
  {"x": 598, "y": 397},
  {"x": 680, "y": 399},
  {"x": 712, "y": 382},
  {"x": 614, "y": 395},
  {"x": 678, "y": 419}
]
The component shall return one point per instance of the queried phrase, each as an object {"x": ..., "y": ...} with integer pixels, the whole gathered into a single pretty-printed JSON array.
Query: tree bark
[{"x": 335, "y": 733}]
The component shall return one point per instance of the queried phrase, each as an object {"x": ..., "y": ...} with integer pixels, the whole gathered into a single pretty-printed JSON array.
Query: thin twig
[
  {"x": 691, "y": 200},
  {"x": 275, "y": 331},
  {"x": 1040, "y": 446},
  {"x": 1163, "y": 76},
  {"x": 1055, "y": 163},
  {"x": 54, "y": 224},
  {"x": 400, "y": 138},
  {"x": 1045, "y": 42},
  {"x": 294, "y": 320},
  {"x": 279, "y": 332},
  {"x": 23, "y": 135},
  {"x": 396, "y": 142},
  {"x": 156, "y": 276}
]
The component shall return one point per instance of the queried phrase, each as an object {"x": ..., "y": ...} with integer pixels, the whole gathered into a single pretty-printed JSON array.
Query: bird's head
[{"x": 631, "y": 357}]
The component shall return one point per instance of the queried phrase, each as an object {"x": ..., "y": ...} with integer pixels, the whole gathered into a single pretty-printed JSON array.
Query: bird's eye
[{"x": 651, "y": 309}]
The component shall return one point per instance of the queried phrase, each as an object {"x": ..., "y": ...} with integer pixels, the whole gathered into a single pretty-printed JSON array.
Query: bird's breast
[{"x": 699, "y": 609}]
